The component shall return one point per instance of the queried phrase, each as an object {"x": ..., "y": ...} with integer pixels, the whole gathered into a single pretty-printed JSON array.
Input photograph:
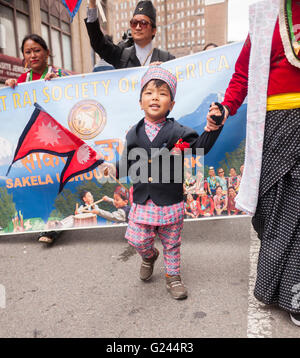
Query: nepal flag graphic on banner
[{"x": 44, "y": 134}]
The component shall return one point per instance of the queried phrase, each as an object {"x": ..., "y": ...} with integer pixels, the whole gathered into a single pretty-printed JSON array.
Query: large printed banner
[{"x": 100, "y": 108}]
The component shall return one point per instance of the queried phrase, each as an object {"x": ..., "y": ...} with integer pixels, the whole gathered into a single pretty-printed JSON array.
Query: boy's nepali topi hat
[
  {"x": 160, "y": 73},
  {"x": 146, "y": 8}
]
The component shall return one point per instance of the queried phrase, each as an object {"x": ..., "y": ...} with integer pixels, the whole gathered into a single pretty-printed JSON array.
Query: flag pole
[{"x": 102, "y": 14}]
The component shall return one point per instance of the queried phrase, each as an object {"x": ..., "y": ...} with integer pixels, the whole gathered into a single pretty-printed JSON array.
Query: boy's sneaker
[
  {"x": 295, "y": 317},
  {"x": 176, "y": 287},
  {"x": 147, "y": 265}
]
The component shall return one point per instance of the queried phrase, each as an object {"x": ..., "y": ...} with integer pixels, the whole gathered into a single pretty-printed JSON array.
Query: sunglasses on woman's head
[{"x": 143, "y": 23}]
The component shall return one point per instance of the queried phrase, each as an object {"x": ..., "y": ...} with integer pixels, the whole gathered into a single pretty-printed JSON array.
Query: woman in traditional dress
[
  {"x": 234, "y": 179},
  {"x": 36, "y": 55},
  {"x": 222, "y": 181},
  {"x": 189, "y": 185},
  {"x": 231, "y": 209},
  {"x": 220, "y": 201},
  {"x": 191, "y": 207},
  {"x": 211, "y": 181},
  {"x": 268, "y": 70},
  {"x": 206, "y": 204}
]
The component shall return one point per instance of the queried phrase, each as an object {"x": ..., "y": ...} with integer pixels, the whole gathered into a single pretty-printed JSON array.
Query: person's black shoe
[
  {"x": 295, "y": 317},
  {"x": 48, "y": 237}
]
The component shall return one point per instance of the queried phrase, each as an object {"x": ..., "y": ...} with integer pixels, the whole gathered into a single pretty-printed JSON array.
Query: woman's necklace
[{"x": 30, "y": 74}]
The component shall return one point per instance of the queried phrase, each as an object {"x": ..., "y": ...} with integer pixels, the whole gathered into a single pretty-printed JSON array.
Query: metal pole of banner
[{"x": 102, "y": 13}]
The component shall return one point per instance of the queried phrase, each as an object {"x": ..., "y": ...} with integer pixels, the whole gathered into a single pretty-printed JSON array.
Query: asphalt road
[{"x": 87, "y": 285}]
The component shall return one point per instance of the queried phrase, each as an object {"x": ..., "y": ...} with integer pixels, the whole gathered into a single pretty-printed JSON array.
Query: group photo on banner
[{"x": 50, "y": 174}]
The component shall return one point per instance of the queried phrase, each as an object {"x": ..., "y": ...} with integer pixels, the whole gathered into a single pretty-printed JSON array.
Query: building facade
[
  {"x": 183, "y": 27},
  {"x": 68, "y": 42},
  {"x": 216, "y": 20}
]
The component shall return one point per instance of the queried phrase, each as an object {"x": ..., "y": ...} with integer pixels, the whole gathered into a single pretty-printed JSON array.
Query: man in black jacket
[{"x": 143, "y": 30}]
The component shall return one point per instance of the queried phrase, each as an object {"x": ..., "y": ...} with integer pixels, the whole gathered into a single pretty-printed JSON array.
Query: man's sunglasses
[{"x": 143, "y": 23}]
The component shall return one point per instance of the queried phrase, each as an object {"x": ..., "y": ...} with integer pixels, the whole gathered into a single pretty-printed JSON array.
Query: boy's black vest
[{"x": 162, "y": 194}]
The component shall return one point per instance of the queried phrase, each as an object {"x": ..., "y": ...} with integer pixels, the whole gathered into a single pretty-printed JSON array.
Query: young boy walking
[{"x": 158, "y": 207}]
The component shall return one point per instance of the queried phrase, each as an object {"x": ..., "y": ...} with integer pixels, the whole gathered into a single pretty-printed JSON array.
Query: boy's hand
[
  {"x": 105, "y": 198},
  {"x": 210, "y": 123},
  {"x": 108, "y": 169}
]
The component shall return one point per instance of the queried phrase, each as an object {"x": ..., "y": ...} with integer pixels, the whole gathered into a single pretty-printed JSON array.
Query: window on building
[
  {"x": 56, "y": 31},
  {"x": 14, "y": 26}
]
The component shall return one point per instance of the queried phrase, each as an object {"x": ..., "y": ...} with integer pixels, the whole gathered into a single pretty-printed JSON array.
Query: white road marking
[
  {"x": 2, "y": 296},
  {"x": 259, "y": 317}
]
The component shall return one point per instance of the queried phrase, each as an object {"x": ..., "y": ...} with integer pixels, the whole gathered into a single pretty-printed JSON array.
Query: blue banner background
[{"x": 202, "y": 79}]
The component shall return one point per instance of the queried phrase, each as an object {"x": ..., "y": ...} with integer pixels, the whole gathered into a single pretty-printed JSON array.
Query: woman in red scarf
[{"x": 36, "y": 54}]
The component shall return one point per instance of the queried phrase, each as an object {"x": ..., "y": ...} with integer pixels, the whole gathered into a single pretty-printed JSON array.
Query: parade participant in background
[
  {"x": 189, "y": 185},
  {"x": 36, "y": 55},
  {"x": 102, "y": 65},
  {"x": 221, "y": 180},
  {"x": 191, "y": 207},
  {"x": 143, "y": 30},
  {"x": 231, "y": 209},
  {"x": 206, "y": 204},
  {"x": 199, "y": 182},
  {"x": 158, "y": 208},
  {"x": 220, "y": 201},
  {"x": 268, "y": 70},
  {"x": 234, "y": 179},
  {"x": 209, "y": 46},
  {"x": 211, "y": 181}
]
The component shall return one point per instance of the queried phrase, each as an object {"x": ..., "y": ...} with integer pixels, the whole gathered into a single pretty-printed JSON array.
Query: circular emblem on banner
[{"x": 87, "y": 119}]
